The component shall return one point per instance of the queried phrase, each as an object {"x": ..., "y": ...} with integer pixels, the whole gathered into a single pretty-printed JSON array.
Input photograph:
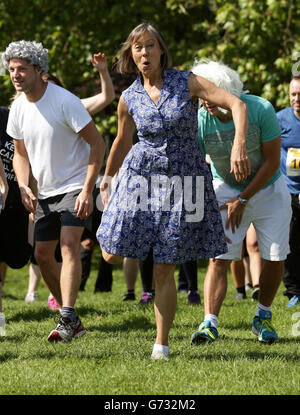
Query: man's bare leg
[
  {"x": 71, "y": 266},
  {"x": 215, "y": 288}
]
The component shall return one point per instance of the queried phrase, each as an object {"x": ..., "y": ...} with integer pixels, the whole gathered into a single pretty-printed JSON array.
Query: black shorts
[
  {"x": 53, "y": 213},
  {"x": 15, "y": 250}
]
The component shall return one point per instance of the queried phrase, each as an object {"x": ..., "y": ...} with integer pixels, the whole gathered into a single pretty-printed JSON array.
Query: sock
[
  {"x": 256, "y": 286},
  {"x": 130, "y": 291},
  {"x": 213, "y": 320},
  {"x": 261, "y": 307},
  {"x": 161, "y": 348},
  {"x": 241, "y": 290},
  {"x": 68, "y": 312}
]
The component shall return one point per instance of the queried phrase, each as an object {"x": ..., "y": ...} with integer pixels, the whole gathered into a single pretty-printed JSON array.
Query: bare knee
[
  {"x": 219, "y": 266},
  {"x": 164, "y": 274},
  {"x": 43, "y": 254},
  {"x": 252, "y": 246},
  {"x": 70, "y": 249}
]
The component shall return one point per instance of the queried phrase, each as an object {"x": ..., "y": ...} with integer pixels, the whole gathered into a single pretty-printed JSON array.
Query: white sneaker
[
  {"x": 30, "y": 298},
  {"x": 159, "y": 355}
]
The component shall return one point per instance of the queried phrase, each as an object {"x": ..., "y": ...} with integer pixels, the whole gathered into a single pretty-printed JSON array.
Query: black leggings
[{"x": 187, "y": 275}]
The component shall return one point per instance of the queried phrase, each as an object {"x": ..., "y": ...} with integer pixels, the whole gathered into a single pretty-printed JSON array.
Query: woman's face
[{"x": 146, "y": 53}]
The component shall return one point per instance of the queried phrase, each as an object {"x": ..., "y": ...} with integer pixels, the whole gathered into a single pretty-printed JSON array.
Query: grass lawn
[{"x": 113, "y": 358}]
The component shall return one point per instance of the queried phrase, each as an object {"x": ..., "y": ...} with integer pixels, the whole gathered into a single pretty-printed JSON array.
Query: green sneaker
[
  {"x": 204, "y": 334},
  {"x": 262, "y": 327}
]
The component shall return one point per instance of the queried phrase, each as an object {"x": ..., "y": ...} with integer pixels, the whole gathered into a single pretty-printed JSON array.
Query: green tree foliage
[
  {"x": 257, "y": 38},
  {"x": 72, "y": 30},
  {"x": 261, "y": 40}
]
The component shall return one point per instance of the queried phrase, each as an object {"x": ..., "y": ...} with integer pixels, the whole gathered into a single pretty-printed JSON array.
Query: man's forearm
[
  {"x": 95, "y": 163},
  {"x": 21, "y": 168},
  {"x": 263, "y": 175}
]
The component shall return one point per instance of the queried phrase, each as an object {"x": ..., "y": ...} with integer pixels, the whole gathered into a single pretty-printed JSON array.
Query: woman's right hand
[{"x": 99, "y": 61}]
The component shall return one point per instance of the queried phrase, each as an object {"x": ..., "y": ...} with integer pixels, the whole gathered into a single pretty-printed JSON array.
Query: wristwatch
[{"x": 243, "y": 201}]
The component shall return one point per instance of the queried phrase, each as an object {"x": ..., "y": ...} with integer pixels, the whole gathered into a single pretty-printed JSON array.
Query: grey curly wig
[{"x": 33, "y": 52}]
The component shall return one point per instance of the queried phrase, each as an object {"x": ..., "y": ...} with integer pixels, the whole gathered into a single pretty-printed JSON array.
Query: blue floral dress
[{"x": 163, "y": 196}]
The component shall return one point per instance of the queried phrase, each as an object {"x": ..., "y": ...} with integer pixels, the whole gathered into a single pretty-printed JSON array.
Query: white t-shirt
[{"x": 57, "y": 154}]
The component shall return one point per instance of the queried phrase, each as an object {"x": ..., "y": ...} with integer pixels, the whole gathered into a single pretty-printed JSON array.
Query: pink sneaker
[{"x": 52, "y": 304}]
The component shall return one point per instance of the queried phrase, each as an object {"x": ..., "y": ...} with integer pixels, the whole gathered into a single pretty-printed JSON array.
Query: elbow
[
  {"x": 111, "y": 97},
  {"x": 244, "y": 106},
  {"x": 273, "y": 166},
  {"x": 239, "y": 105},
  {"x": 97, "y": 149},
  {"x": 277, "y": 166},
  {"x": 101, "y": 148}
]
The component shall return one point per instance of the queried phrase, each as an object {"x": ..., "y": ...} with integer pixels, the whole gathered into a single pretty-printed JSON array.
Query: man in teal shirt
[{"x": 262, "y": 199}]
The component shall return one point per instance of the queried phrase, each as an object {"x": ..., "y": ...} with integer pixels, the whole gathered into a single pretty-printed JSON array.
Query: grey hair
[
  {"x": 219, "y": 74},
  {"x": 32, "y": 52}
]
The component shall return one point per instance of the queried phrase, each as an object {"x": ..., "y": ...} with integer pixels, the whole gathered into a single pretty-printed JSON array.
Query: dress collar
[{"x": 164, "y": 92}]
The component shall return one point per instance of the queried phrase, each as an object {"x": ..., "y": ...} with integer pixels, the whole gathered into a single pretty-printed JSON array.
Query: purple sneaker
[
  {"x": 146, "y": 298},
  {"x": 194, "y": 297}
]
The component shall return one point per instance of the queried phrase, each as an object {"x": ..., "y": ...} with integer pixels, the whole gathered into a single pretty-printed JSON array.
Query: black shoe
[
  {"x": 129, "y": 297},
  {"x": 255, "y": 293},
  {"x": 102, "y": 290}
]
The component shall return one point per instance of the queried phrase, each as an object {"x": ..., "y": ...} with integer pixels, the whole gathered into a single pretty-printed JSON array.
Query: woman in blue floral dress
[{"x": 163, "y": 196}]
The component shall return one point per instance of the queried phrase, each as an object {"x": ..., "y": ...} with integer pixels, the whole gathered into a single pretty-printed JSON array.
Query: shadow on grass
[
  {"x": 31, "y": 315},
  {"x": 255, "y": 356},
  {"x": 134, "y": 323},
  {"x": 9, "y": 297},
  {"x": 8, "y": 356},
  {"x": 242, "y": 325},
  {"x": 44, "y": 314}
]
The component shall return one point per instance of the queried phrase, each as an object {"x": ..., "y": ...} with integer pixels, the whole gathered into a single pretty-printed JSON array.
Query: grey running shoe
[
  {"x": 66, "y": 330},
  {"x": 240, "y": 296}
]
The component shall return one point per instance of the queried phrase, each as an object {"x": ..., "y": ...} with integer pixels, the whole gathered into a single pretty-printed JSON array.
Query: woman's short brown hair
[{"x": 126, "y": 64}]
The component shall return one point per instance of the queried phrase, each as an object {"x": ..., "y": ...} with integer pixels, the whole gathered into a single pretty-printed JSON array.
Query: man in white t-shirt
[{"x": 54, "y": 136}]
